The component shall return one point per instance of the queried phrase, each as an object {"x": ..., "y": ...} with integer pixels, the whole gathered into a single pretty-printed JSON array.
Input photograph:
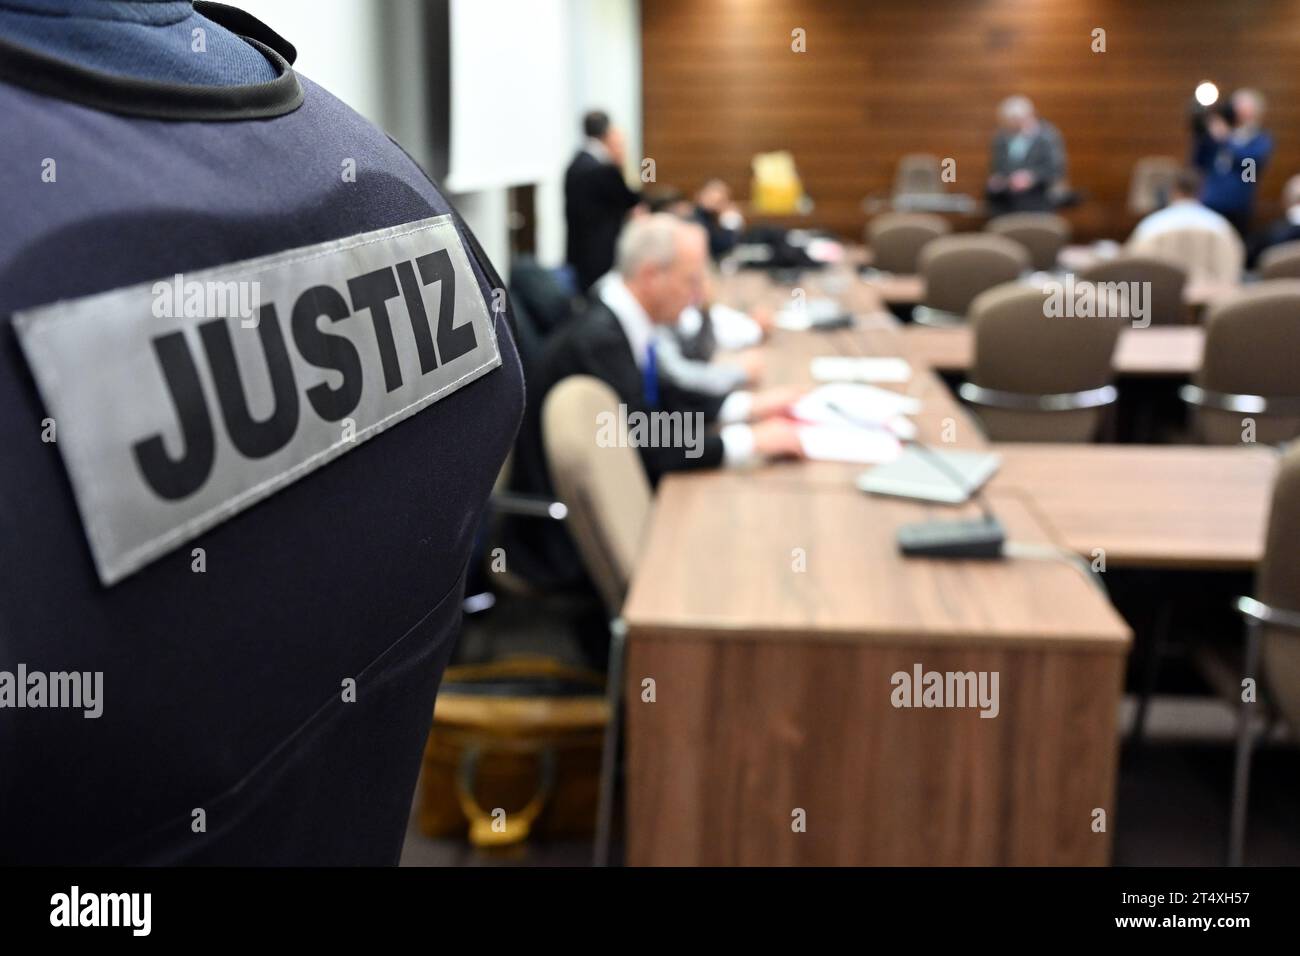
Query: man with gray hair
[
  {"x": 660, "y": 268},
  {"x": 1027, "y": 160}
]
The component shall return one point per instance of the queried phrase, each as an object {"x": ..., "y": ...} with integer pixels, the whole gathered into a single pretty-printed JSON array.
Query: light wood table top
[
  {"x": 1173, "y": 350},
  {"x": 904, "y": 290},
  {"x": 1151, "y": 506},
  {"x": 723, "y": 555},
  {"x": 1191, "y": 507}
]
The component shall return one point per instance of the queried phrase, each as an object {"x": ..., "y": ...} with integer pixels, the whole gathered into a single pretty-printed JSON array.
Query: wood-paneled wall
[{"x": 881, "y": 78}]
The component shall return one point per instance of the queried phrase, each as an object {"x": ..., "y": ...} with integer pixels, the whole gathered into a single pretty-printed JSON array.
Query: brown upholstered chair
[
  {"x": 1043, "y": 234},
  {"x": 1037, "y": 377},
  {"x": 1273, "y": 634},
  {"x": 608, "y": 498},
  {"x": 1281, "y": 261},
  {"x": 896, "y": 239},
  {"x": 1208, "y": 255},
  {"x": 1165, "y": 302},
  {"x": 958, "y": 268},
  {"x": 1250, "y": 376},
  {"x": 918, "y": 175}
]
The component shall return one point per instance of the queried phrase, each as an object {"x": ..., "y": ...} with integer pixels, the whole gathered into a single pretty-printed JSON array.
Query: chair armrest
[
  {"x": 528, "y": 506},
  {"x": 1272, "y": 616}
]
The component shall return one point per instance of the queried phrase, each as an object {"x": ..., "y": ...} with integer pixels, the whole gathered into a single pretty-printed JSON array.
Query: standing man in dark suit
[
  {"x": 1027, "y": 160},
  {"x": 596, "y": 199}
]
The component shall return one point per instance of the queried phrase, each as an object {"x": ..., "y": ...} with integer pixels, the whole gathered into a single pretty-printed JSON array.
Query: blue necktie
[{"x": 651, "y": 374}]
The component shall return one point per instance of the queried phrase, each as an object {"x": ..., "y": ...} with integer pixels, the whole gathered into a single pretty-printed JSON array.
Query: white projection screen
[{"x": 509, "y": 78}]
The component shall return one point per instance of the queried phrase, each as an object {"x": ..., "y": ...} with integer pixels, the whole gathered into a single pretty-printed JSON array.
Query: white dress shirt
[
  {"x": 596, "y": 149},
  {"x": 638, "y": 327},
  {"x": 1181, "y": 214}
]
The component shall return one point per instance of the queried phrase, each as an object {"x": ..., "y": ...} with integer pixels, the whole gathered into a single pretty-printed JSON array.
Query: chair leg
[
  {"x": 1159, "y": 638},
  {"x": 1241, "y": 768},
  {"x": 609, "y": 754}
]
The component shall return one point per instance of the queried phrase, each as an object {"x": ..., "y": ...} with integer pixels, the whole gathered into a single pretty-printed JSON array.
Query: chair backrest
[
  {"x": 958, "y": 268},
  {"x": 1153, "y": 179},
  {"x": 1208, "y": 255},
  {"x": 1277, "y": 584},
  {"x": 1043, "y": 234},
  {"x": 1167, "y": 281},
  {"x": 918, "y": 174},
  {"x": 1281, "y": 261},
  {"x": 1252, "y": 341},
  {"x": 1021, "y": 349},
  {"x": 603, "y": 483},
  {"x": 896, "y": 239}
]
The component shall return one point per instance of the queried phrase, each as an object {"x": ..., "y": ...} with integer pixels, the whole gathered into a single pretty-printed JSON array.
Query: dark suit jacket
[
  {"x": 592, "y": 344},
  {"x": 1283, "y": 230},
  {"x": 1045, "y": 158},
  {"x": 596, "y": 199}
]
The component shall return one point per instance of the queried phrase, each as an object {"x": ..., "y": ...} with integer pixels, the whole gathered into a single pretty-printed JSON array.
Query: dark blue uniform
[{"x": 224, "y": 691}]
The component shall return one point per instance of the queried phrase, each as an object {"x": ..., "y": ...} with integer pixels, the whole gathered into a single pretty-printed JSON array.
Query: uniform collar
[{"x": 151, "y": 99}]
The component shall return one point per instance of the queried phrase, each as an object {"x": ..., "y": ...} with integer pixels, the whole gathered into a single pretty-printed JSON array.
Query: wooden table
[
  {"x": 773, "y": 688},
  {"x": 771, "y": 609},
  {"x": 905, "y": 290},
  {"x": 1149, "y": 506},
  {"x": 1160, "y": 350}
]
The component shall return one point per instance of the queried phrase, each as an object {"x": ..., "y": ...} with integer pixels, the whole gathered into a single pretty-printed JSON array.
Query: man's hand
[
  {"x": 777, "y": 438},
  {"x": 1021, "y": 180},
  {"x": 750, "y": 361},
  {"x": 1217, "y": 127},
  {"x": 776, "y": 401},
  {"x": 764, "y": 317}
]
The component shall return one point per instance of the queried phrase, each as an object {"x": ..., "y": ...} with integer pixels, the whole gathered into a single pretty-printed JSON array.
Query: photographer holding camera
[{"x": 1231, "y": 150}]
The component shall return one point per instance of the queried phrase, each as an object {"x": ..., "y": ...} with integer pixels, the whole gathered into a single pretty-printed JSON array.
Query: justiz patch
[{"x": 172, "y": 418}]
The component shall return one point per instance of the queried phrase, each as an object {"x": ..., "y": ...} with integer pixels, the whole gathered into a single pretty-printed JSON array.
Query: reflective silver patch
[{"x": 171, "y": 423}]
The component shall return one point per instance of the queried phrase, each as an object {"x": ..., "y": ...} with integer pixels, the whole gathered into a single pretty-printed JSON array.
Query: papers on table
[
  {"x": 861, "y": 446},
  {"x": 855, "y": 423},
  {"x": 848, "y": 368},
  {"x": 808, "y": 315},
  {"x": 845, "y": 403}
]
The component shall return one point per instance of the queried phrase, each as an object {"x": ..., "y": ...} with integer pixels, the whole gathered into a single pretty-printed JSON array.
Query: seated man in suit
[
  {"x": 596, "y": 199},
  {"x": 660, "y": 270},
  {"x": 1285, "y": 229},
  {"x": 1027, "y": 160},
  {"x": 715, "y": 211}
]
